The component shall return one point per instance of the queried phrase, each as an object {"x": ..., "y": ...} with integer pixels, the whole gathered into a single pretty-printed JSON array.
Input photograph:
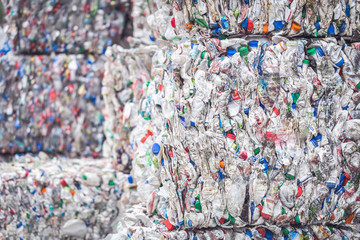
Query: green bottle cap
[
  {"x": 236, "y": 13},
  {"x": 311, "y": 51},
  {"x": 198, "y": 205},
  {"x": 202, "y": 54},
  {"x": 297, "y": 219},
  {"x": 243, "y": 51},
  {"x": 296, "y": 97},
  {"x": 285, "y": 231},
  {"x": 306, "y": 61},
  {"x": 289, "y": 176}
]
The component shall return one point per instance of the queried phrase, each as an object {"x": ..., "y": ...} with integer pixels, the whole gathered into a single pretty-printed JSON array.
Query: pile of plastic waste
[{"x": 61, "y": 198}]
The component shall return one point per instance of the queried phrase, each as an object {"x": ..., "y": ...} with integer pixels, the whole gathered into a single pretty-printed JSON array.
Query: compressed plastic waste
[
  {"x": 69, "y": 26},
  {"x": 316, "y": 18},
  {"x": 45, "y": 198},
  {"x": 240, "y": 133},
  {"x": 52, "y": 104}
]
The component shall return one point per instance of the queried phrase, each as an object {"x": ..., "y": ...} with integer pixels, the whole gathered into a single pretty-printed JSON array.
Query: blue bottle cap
[
  {"x": 317, "y": 25},
  {"x": 347, "y": 11},
  {"x": 213, "y": 26},
  {"x": 331, "y": 29},
  {"x": 253, "y": 43},
  {"x": 268, "y": 234},
  {"x": 320, "y": 52},
  {"x": 151, "y": 38},
  {"x": 244, "y": 24},
  {"x": 224, "y": 23},
  {"x": 341, "y": 62},
  {"x": 246, "y": 110},
  {"x": 130, "y": 179},
  {"x": 156, "y": 149},
  {"x": 293, "y": 106},
  {"x": 230, "y": 52},
  {"x": 278, "y": 25},
  {"x": 343, "y": 27}
]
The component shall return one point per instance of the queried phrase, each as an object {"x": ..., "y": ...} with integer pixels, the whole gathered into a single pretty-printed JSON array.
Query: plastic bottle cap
[
  {"x": 198, "y": 205},
  {"x": 213, "y": 26},
  {"x": 253, "y": 43},
  {"x": 202, "y": 54},
  {"x": 306, "y": 61},
  {"x": 156, "y": 149},
  {"x": 311, "y": 51},
  {"x": 265, "y": 28},
  {"x": 222, "y": 164},
  {"x": 343, "y": 27},
  {"x": 173, "y": 22},
  {"x": 230, "y": 52},
  {"x": 331, "y": 29},
  {"x": 296, "y": 27},
  {"x": 285, "y": 231},
  {"x": 347, "y": 11},
  {"x": 278, "y": 25},
  {"x": 341, "y": 62},
  {"x": 320, "y": 52},
  {"x": 317, "y": 25},
  {"x": 244, "y": 24},
  {"x": 130, "y": 179},
  {"x": 243, "y": 51}
]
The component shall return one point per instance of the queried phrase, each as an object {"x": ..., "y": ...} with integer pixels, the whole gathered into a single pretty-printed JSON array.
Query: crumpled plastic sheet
[
  {"x": 44, "y": 198},
  {"x": 315, "y": 18},
  {"x": 239, "y": 133},
  {"x": 74, "y": 26},
  {"x": 51, "y": 103}
]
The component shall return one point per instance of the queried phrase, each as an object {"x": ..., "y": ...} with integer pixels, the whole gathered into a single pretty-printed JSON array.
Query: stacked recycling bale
[
  {"x": 254, "y": 134},
  {"x": 221, "y": 141},
  {"x": 70, "y": 26},
  {"x": 51, "y": 73},
  {"x": 313, "y": 18}
]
